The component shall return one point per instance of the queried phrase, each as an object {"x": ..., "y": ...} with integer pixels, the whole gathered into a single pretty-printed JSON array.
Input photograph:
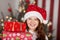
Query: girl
[{"x": 35, "y": 18}]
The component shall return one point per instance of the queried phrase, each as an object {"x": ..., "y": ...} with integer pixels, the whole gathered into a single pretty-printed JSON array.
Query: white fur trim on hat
[{"x": 34, "y": 13}]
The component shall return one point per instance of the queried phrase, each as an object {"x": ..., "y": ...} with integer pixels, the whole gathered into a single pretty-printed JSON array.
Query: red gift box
[
  {"x": 16, "y": 36},
  {"x": 14, "y": 26},
  {"x": 8, "y": 26}
]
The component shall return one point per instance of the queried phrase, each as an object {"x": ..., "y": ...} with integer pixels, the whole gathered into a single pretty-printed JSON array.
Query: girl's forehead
[{"x": 33, "y": 17}]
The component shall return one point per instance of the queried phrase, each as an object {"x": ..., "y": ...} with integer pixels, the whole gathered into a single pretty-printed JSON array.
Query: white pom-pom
[{"x": 45, "y": 21}]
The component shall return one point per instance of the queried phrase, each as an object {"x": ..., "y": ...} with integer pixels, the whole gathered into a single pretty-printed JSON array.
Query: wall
[
  {"x": 52, "y": 8},
  {"x": 4, "y": 6}
]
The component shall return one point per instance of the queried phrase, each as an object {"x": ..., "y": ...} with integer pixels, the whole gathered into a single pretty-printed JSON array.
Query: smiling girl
[{"x": 34, "y": 18}]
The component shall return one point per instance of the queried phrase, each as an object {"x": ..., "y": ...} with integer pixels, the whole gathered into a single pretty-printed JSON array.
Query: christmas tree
[{"x": 23, "y": 4}]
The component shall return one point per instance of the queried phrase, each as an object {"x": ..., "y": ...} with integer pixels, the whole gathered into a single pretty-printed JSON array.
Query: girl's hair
[{"x": 39, "y": 30}]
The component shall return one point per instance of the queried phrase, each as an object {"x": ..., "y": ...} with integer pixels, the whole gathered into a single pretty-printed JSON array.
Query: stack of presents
[{"x": 15, "y": 31}]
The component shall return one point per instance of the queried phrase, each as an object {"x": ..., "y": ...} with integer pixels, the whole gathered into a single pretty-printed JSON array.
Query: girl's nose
[{"x": 32, "y": 21}]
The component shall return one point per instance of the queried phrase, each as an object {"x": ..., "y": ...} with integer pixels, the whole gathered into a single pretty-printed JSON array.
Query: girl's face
[{"x": 32, "y": 23}]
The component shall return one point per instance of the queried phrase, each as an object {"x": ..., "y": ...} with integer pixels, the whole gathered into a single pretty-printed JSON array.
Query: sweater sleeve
[{"x": 46, "y": 38}]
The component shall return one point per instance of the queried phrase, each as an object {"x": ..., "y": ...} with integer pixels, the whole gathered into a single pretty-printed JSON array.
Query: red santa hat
[{"x": 34, "y": 10}]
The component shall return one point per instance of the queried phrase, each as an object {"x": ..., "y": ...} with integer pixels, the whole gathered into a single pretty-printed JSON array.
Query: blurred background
[{"x": 16, "y": 9}]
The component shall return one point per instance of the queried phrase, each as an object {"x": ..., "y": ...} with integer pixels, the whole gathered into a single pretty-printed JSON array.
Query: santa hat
[{"x": 34, "y": 10}]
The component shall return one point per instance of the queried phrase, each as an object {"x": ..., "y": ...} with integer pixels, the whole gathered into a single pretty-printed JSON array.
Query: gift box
[
  {"x": 16, "y": 36},
  {"x": 14, "y": 26}
]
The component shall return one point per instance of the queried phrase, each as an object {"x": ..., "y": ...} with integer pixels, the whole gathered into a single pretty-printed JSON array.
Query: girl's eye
[
  {"x": 29, "y": 18},
  {"x": 36, "y": 19}
]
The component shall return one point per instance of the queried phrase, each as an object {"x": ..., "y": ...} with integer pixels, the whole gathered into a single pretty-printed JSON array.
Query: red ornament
[
  {"x": 27, "y": 1},
  {"x": 10, "y": 9}
]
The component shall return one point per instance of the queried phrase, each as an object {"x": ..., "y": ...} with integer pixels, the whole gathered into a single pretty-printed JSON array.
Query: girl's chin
[
  {"x": 32, "y": 25},
  {"x": 32, "y": 28}
]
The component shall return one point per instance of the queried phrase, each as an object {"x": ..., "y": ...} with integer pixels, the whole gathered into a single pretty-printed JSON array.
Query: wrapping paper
[
  {"x": 14, "y": 26},
  {"x": 16, "y": 36}
]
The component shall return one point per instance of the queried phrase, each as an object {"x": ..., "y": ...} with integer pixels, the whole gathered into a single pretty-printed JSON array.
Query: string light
[
  {"x": 50, "y": 23},
  {"x": 24, "y": 11},
  {"x": 20, "y": 9},
  {"x": 7, "y": 17},
  {"x": 23, "y": 7},
  {"x": 49, "y": 34},
  {"x": 10, "y": 18},
  {"x": 2, "y": 24},
  {"x": 1, "y": 20}
]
